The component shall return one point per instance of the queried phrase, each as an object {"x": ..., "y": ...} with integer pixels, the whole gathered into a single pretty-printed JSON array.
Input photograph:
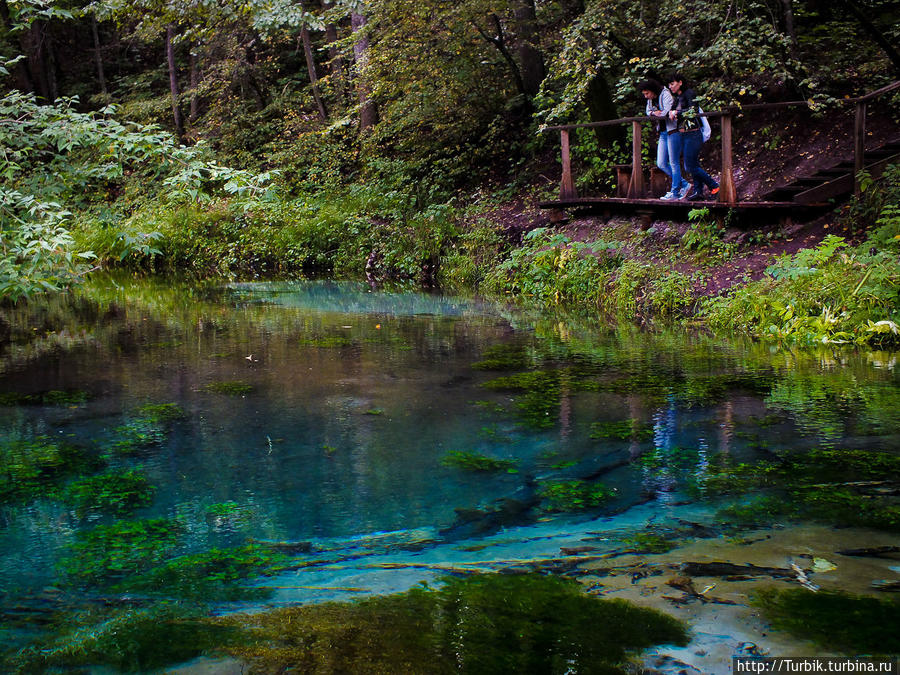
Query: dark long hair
[{"x": 650, "y": 85}]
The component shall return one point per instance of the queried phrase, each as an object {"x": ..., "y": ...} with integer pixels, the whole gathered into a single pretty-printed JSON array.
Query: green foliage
[
  {"x": 504, "y": 357},
  {"x": 640, "y": 288},
  {"x": 118, "y": 493},
  {"x": 823, "y": 294},
  {"x": 705, "y": 237},
  {"x": 550, "y": 268},
  {"x": 823, "y": 618},
  {"x": 57, "y": 159},
  {"x": 483, "y": 624},
  {"x": 473, "y": 461},
  {"x": 470, "y": 257},
  {"x": 574, "y": 495},
  {"x": 112, "y": 552}
]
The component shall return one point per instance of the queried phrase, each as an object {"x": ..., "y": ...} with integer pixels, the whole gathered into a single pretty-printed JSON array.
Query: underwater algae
[{"x": 482, "y": 624}]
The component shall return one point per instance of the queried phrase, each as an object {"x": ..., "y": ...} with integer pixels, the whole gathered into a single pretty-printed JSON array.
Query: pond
[{"x": 259, "y": 445}]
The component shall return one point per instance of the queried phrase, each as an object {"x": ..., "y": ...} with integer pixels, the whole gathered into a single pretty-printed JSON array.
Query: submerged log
[
  {"x": 889, "y": 585},
  {"x": 870, "y": 552},
  {"x": 725, "y": 569}
]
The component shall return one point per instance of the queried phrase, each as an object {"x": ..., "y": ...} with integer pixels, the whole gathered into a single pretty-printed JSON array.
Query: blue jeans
[
  {"x": 692, "y": 142},
  {"x": 662, "y": 153},
  {"x": 674, "y": 147}
]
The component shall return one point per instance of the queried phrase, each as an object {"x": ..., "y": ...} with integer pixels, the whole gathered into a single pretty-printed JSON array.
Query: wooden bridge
[{"x": 639, "y": 193}]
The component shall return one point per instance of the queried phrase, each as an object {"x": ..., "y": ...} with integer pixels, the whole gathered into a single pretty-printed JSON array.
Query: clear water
[{"x": 357, "y": 395}]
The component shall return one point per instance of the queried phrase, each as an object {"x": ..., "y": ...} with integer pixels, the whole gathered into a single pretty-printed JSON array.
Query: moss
[
  {"x": 538, "y": 404},
  {"x": 472, "y": 461},
  {"x": 212, "y": 575},
  {"x": 134, "y": 640},
  {"x": 834, "y": 620},
  {"x": 229, "y": 388},
  {"x": 35, "y": 467},
  {"x": 118, "y": 493},
  {"x": 113, "y": 552},
  {"x": 574, "y": 495},
  {"x": 477, "y": 625}
]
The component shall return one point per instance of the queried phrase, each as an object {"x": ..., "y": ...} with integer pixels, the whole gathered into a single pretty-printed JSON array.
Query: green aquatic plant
[
  {"x": 538, "y": 403},
  {"x": 161, "y": 412},
  {"x": 505, "y": 357},
  {"x": 327, "y": 342},
  {"x": 622, "y": 430},
  {"x": 136, "y": 435},
  {"x": 211, "y": 575},
  {"x": 474, "y": 626},
  {"x": 112, "y": 552},
  {"x": 648, "y": 542},
  {"x": 69, "y": 397},
  {"x": 33, "y": 468},
  {"x": 229, "y": 388},
  {"x": 834, "y": 486},
  {"x": 574, "y": 495},
  {"x": 473, "y": 461},
  {"x": 129, "y": 640},
  {"x": 118, "y": 493},
  {"x": 852, "y": 624}
]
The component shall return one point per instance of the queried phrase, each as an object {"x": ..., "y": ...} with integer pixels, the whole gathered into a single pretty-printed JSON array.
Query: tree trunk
[
  {"x": 335, "y": 61},
  {"x": 602, "y": 107},
  {"x": 173, "y": 80},
  {"x": 873, "y": 32},
  {"x": 311, "y": 69},
  {"x": 23, "y": 77},
  {"x": 499, "y": 41},
  {"x": 788, "y": 12},
  {"x": 368, "y": 112},
  {"x": 195, "y": 84},
  {"x": 530, "y": 57},
  {"x": 34, "y": 44},
  {"x": 98, "y": 58}
]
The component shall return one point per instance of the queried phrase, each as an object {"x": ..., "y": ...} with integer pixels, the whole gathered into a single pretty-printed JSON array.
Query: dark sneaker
[
  {"x": 714, "y": 191},
  {"x": 695, "y": 196}
]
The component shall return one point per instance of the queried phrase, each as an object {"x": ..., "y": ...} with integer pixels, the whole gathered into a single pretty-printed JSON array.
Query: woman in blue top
[
  {"x": 687, "y": 137},
  {"x": 659, "y": 103}
]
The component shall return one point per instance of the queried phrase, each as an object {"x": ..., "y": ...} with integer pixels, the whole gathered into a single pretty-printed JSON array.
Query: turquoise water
[{"x": 344, "y": 404}]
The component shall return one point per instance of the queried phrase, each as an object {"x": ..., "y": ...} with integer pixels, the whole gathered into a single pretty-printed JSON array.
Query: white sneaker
[{"x": 669, "y": 196}]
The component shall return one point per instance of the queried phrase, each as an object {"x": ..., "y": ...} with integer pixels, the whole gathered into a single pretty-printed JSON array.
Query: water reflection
[{"x": 320, "y": 410}]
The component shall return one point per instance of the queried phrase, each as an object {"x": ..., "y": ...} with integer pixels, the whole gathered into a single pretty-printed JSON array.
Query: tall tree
[
  {"x": 173, "y": 80},
  {"x": 368, "y": 111}
]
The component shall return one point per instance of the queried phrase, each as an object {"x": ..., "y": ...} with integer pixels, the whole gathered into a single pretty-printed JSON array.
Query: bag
[{"x": 705, "y": 129}]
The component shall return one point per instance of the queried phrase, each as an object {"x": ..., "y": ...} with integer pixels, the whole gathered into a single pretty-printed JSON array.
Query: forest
[{"x": 400, "y": 140}]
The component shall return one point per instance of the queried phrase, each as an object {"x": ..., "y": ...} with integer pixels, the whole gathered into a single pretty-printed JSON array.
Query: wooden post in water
[
  {"x": 859, "y": 144},
  {"x": 727, "y": 191},
  {"x": 567, "y": 186},
  {"x": 636, "y": 186}
]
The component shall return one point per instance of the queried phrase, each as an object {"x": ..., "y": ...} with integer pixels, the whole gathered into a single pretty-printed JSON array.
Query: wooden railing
[{"x": 727, "y": 191}]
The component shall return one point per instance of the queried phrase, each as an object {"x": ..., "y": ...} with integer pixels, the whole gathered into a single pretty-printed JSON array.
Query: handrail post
[
  {"x": 567, "y": 185},
  {"x": 859, "y": 144},
  {"x": 636, "y": 186},
  {"x": 727, "y": 191}
]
